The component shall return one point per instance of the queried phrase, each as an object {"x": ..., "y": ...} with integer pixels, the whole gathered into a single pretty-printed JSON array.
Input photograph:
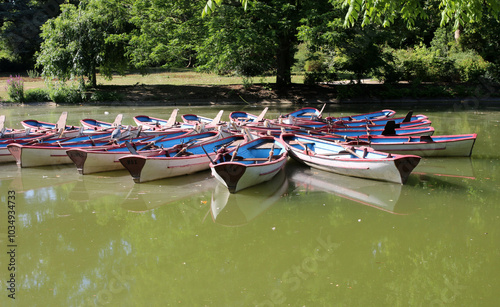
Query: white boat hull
[
  {"x": 5, "y": 156},
  {"x": 32, "y": 156},
  {"x": 144, "y": 169},
  {"x": 95, "y": 161},
  {"x": 238, "y": 176},
  {"x": 462, "y": 148},
  {"x": 378, "y": 169}
]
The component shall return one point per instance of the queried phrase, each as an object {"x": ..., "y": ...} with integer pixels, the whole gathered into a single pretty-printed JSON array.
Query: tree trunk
[
  {"x": 93, "y": 77},
  {"x": 284, "y": 61},
  {"x": 457, "y": 34}
]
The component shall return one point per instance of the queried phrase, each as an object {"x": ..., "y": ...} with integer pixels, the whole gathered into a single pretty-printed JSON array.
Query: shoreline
[{"x": 295, "y": 95}]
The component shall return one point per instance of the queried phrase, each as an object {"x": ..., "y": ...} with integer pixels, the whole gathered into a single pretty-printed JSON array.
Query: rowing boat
[
  {"x": 242, "y": 118},
  {"x": 365, "y": 116},
  {"x": 154, "y": 123},
  {"x": 94, "y": 124},
  {"x": 176, "y": 161},
  {"x": 409, "y": 118},
  {"x": 54, "y": 153},
  {"x": 361, "y": 162},
  {"x": 253, "y": 162},
  {"x": 89, "y": 161},
  {"x": 423, "y": 146}
]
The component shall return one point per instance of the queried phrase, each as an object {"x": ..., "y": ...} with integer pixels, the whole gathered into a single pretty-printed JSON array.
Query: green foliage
[
  {"x": 62, "y": 93},
  {"x": 384, "y": 12},
  {"x": 20, "y": 23},
  {"x": 32, "y": 73},
  {"x": 165, "y": 33},
  {"x": 99, "y": 96},
  {"x": 471, "y": 66},
  {"x": 422, "y": 64},
  {"x": 37, "y": 95},
  {"x": 316, "y": 77},
  {"x": 15, "y": 89},
  {"x": 81, "y": 39},
  {"x": 241, "y": 44}
]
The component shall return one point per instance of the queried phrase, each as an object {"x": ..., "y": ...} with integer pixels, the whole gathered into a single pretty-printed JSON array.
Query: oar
[
  {"x": 139, "y": 129},
  {"x": 61, "y": 123},
  {"x": 303, "y": 145},
  {"x": 349, "y": 150},
  {"x": 209, "y": 158},
  {"x": 408, "y": 117},
  {"x": 271, "y": 154},
  {"x": 2, "y": 121},
  {"x": 173, "y": 118},
  {"x": 261, "y": 115},
  {"x": 118, "y": 120},
  {"x": 248, "y": 134},
  {"x": 130, "y": 148},
  {"x": 217, "y": 118},
  {"x": 40, "y": 139},
  {"x": 61, "y": 132},
  {"x": 235, "y": 152},
  {"x": 149, "y": 145},
  {"x": 390, "y": 128},
  {"x": 320, "y": 112}
]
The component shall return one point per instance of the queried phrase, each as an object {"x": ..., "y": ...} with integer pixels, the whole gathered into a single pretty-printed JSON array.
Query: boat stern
[
  {"x": 406, "y": 165},
  {"x": 16, "y": 151},
  {"x": 78, "y": 157},
  {"x": 134, "y": 164},
  {"x": 229, "y": 174}
]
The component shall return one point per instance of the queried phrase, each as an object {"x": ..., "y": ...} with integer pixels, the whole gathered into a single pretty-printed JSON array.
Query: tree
[
  {"x": 259, "y": 40},
  {"x": 384, "y": 12},
  {"x": 82, "y": 39},
  {"x": 166, "y": 33},
  {"x": 381, "y": 12},
  {"x": 273, "y": 24},
  {"x": 20, "y": 23}
]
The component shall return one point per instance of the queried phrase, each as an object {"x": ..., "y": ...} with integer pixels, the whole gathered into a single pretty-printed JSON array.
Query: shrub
[
  {"x": 15, "y": 89},
  {"x": 423, "y": 64},
  {"x": 62, "y": 93},
  {"x": 37, "y": 95},
  {"x": 316, "y": 77},
  {"x": 33, "y": 74},
  {"x": 471, "y": 66},
  {"x": 105, "y": 96}
]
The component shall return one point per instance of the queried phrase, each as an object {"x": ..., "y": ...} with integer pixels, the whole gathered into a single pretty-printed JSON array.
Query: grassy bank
[
  {"x": 154, "y": 77},
  {"x": 188, "y": 86}
]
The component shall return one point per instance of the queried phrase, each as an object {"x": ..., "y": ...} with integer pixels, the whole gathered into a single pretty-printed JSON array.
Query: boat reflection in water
[
  {"x": 106, "y": 184},
  {"x": 377, "y": 194},
  {"x": 446, "y": 167},
  {"x": 237, "y": 209},
  {"x": 150, "y": 195},
  {"x": 37, "y": 178}
]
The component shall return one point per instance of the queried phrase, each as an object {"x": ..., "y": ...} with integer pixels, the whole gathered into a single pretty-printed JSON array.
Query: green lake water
[{"x": 306, "y": 238}]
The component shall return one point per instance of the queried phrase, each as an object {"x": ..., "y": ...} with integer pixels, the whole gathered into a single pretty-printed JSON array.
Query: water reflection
[
  {"x": 83, "y": 244},
  {"x": 92, "y": 187},
  {"x": 236, "y": 209},
  {"x": 151, "y": 195},
  {"x": 377, "y": 194},
  {"x": 23, "y": 180},
  {"x": 446, "y": 167}
]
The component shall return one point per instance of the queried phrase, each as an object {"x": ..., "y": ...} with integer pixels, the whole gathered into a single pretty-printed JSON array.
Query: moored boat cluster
[{"x": 245, "y": 150}]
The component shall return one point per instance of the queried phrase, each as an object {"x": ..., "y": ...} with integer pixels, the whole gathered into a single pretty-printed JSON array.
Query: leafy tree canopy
[
  {"x": 20, "y": 22},
  {"x": 384, "y": 12},
  {"x": 83, "y": 38}
]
